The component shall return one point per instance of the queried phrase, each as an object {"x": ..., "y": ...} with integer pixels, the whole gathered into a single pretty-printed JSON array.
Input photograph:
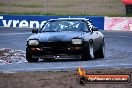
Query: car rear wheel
[
  {"x": 29, "y": 57},
  {"x": 88, "y": 53},
  {"x": 101, "y": 52}
]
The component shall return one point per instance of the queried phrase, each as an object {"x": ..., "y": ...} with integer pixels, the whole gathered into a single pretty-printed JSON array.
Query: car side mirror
[
  {"x": 35, "y": 31},
  {"x": 95, "y": 29}
]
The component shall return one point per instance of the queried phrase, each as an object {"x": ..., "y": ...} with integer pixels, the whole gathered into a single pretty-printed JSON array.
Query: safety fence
[{"x": 37, "y": 21}]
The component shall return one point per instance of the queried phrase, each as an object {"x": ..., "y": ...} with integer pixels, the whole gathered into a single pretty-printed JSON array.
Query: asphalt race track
[{"x": 118, "y": 52}]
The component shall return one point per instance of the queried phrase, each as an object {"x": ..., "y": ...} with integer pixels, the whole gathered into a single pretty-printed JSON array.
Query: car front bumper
[{"x": 56, "y": 50}]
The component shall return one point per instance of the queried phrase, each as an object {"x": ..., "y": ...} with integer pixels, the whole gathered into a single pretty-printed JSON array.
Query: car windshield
[{"x": 65, "y": 25}]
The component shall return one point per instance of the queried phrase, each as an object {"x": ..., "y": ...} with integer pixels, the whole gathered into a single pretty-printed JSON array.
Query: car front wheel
[
  {"x": 29, "y": 56},
  {"x": 101, "y": 52},
  {"x": 88, "y": 53}
]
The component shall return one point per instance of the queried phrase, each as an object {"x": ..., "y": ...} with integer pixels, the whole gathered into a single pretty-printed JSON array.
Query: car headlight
[
  {"x": 33, "y": 42},
  {"x": 77, "y": 41}
]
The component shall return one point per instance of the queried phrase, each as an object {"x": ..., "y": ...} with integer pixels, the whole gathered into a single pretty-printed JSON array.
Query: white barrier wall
[{"x": 118, "y": 23}]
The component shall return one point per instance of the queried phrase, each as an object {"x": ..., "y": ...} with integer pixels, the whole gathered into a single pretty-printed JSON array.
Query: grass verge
[{"x": 63, "y": 14}]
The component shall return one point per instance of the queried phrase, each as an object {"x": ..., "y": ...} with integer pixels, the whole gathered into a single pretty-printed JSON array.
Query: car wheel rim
[
  {"x": 91, "y": 51},
  {"x": 103, "y": 48}
]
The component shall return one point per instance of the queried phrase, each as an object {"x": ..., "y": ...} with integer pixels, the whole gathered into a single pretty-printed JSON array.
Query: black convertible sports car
[{"x": 65, "y": 38}]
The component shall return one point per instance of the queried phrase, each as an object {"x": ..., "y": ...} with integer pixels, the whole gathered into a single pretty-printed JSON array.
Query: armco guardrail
[
  {"x": 38, "y": 21},
  {"x": 118, "y": 23}
]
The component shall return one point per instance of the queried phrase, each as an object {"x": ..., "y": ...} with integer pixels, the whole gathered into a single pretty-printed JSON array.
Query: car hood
[{"x": 57, "y": 36}]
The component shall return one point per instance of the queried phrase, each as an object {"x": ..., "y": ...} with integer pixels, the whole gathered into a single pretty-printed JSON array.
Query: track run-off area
[{"x": 118, "y": 52}]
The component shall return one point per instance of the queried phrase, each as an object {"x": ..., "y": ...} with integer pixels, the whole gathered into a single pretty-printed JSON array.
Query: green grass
[
  {"x": 28, "y": 5},
  {"x": 39, "y": 13},
  {"x": 37, "y": 5},
  {"x": 59, "y": 5},
  {"x": 2, "y": 4},
  {"x": 62, "y": 5},
  {"x": 129, "y": 15},
  {"x": 62, "y": 14}
]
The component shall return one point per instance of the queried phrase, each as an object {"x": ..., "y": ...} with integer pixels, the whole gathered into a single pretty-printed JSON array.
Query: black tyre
[
  {"x": 101, "y": 52},
  {"x": 88, "y": 53},
  {"x": 29, "y": 56}
]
